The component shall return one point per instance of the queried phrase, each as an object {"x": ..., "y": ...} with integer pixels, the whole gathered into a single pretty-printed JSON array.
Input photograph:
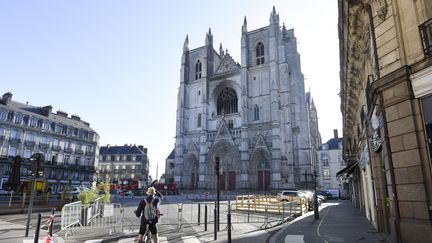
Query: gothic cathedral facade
[{"x": 253, "y": 116}]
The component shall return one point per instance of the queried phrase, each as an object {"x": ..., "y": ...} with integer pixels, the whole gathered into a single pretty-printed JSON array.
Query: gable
[{"x": 227, "y": 65}]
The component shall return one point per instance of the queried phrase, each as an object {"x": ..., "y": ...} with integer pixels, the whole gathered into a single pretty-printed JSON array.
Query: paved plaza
[{"x": 339, "y": 222}]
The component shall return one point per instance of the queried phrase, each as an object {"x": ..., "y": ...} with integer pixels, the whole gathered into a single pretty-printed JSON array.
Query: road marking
[
  {"x": 163, "y": 240},
  {"x": 294, "y": 239},
  {"x": 318, "y": 228},
  {"x": 94, "y": 241},
  {"x": 127, "y": 240},
  {"x": 190, "y": 239}
]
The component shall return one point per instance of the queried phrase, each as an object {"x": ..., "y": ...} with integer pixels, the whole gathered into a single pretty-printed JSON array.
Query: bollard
[
  {"x": 23, "y": 199},
  {"x": 36, "y": 238},
  {"x": 248, "y": 212},
  {"x": 215, "y": 224},
  {"x": 10, "y": 199},
  {"x": 229, "y": 225},
  {"x": 52, "y": 222},
  {"x": 199, "y": 213},
  {"x": 205, "y": 218}
]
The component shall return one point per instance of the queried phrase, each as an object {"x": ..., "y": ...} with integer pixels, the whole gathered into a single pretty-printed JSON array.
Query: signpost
[{"x": 37, "y": 159}]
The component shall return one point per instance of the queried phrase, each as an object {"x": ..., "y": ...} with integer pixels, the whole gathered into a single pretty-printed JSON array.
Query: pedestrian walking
[{"x": 148, "y": 210}]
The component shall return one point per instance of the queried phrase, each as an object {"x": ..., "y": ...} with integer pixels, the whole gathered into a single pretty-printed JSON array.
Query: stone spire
[
  {"x": 274, "y": 18},
  {"x": 209, "y": 38},
  {"x": 244, "y": 27},
  {"x": 221, "y": 51},
  {"x": 186, "y": 44}
]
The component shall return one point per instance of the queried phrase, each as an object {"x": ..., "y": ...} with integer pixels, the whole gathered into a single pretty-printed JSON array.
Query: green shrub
[{"x": 89, "y": 197}]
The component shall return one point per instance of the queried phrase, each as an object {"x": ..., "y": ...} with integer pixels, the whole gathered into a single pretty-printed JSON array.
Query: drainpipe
[{"x": 391, "y": 169}]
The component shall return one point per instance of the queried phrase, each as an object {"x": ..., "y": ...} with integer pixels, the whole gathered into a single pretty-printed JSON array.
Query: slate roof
[
  {"x": 125, "y": 149},
  {"x": 36, "y": 112},
  {"x": 333, "y": 143},
  {"x": 172, "y": 155}
]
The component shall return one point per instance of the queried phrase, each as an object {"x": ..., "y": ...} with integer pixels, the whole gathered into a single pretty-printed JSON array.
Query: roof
[
  {"x": 333, "y": 143},
  {"x": 125, "y": 149},
  {"x": 172, "y": 155},
  {"x": 36, "y": 112}
]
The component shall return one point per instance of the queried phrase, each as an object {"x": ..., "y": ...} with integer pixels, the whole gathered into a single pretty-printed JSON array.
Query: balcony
[
  {"x": 68, "y": 150},
  {"x": 78, "y": 151},
  {"x": 89, "y": 153},
  {"x": 29, "y": 143},
  {"x": 426, "y": 36},
  {"x": 2, "y": 138},
  {"x": 43, "y": 145},
  {"x": 56, "y": 148},
  {"x": 14, "y": 140}
]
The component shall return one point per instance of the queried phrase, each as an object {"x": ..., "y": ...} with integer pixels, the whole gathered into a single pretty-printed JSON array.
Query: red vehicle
[{"x": 167, "y": 189}]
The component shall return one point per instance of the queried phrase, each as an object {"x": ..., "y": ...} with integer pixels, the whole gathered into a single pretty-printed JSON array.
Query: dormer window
[
  {"x": 198, "y": 69},
  {"x": 259, "y": 53}
]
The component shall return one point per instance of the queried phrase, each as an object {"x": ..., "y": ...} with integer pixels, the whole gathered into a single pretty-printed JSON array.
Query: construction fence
[{"x": 264, "y": 211}]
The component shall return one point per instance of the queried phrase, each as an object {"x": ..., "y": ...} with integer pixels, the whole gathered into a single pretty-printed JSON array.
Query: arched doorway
[
  {"x": 190, "y": 172},
  {"x": 229, "y": 158},
  {"x": 260, "y": 169}
]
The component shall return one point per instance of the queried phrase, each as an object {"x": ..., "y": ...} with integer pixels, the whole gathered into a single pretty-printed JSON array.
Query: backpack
[{"x": 151, "y": 212}]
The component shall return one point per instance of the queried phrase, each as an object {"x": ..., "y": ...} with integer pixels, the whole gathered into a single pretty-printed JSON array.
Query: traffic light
[{"x": 216, "y": 168}]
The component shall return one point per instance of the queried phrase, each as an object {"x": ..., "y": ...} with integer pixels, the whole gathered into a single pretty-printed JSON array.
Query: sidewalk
[
  {"x": 15, "y": 233},
  {"x": 339, "y": 222}
]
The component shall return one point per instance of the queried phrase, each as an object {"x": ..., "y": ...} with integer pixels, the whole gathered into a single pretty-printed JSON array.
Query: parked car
[
  {"x": 287, "y": 196},
  {"x": 73, "y": 193},
  {"x": 4, "y": 192},
  {"x": 326, "y": 195}
]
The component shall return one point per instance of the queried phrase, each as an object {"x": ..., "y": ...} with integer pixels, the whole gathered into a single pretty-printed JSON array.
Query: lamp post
[
  {"x": 314, "y": 164},
  {"x": 217, "y": 168}
]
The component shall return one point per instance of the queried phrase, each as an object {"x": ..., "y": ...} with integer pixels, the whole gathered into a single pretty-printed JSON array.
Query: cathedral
[{"x": 253, "y": 115}]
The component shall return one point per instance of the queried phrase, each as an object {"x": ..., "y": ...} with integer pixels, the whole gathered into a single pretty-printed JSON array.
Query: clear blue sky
[{"x": 116, "y": 64}]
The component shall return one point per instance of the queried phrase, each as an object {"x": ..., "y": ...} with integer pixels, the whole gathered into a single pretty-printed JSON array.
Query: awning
[{"x": 347, "y": 170}]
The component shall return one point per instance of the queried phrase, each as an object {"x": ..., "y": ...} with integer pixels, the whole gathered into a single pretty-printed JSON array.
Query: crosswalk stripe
[
  {"x": 190, "y": 239},
  {"x": 163, "y": 240},
  {"x": 127, "y": 240},
  {"x": 294, "y": 239},
  {"x": 94, "y": 241}
]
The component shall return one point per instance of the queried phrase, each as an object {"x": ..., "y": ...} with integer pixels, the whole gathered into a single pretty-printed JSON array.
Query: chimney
[
  {"x": 6, "y": 99},
  {"x": 46, "y": 110},
  {"x": 335, "y": 132},
  {"x": 75, "y": 117},
  {"x": 141, "y": 147},
  {"x": 62, "y": 113}
]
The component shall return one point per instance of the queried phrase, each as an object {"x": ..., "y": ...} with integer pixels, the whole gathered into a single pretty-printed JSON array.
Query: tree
[{"x": 14, "y": 181}]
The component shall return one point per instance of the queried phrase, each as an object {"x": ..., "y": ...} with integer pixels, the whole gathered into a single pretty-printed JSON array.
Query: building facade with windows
[
  {"x": 168, "y": 176},
  {"x": 124, "y": 165},
  {"x": 330, "y": 161},
  {"x": 253, "y": 115},
  {"x": 386, "y": 103},
  {"x": 69, "y": 145}
]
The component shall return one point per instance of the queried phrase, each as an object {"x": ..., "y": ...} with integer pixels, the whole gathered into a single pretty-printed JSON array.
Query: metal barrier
[
  {"x": 76, "y": 216},
  {"x": 71, "y": 216},
  {"x": 264, "y": 211}
]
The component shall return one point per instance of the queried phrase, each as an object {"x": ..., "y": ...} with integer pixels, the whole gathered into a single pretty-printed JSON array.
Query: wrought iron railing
[{"x": 426, "y": 35}]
